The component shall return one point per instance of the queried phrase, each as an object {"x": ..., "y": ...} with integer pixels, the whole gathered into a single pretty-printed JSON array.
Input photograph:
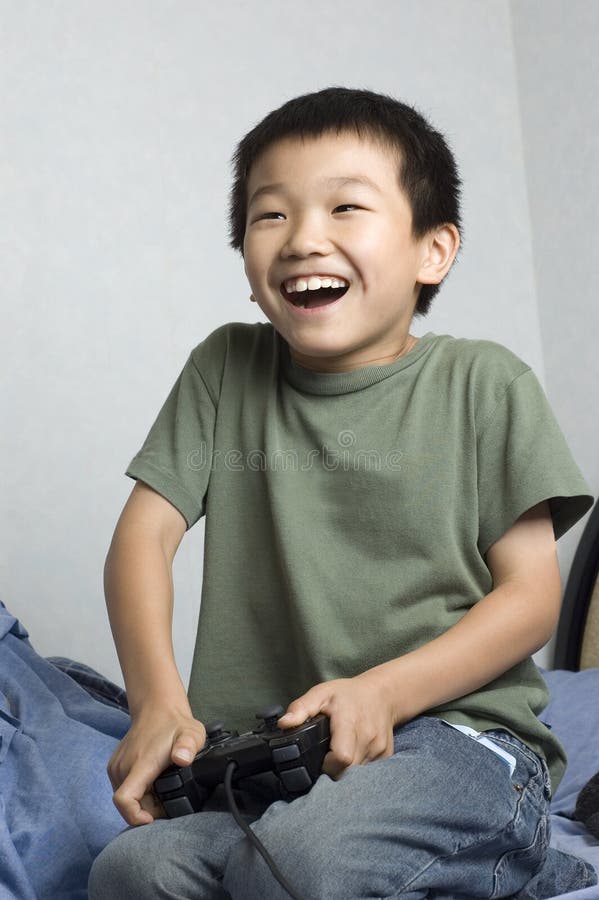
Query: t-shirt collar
[{"x": 311, "y": 382}]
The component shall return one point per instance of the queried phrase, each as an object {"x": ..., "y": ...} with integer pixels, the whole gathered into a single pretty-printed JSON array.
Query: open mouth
[{"x": 309, "y": 299}]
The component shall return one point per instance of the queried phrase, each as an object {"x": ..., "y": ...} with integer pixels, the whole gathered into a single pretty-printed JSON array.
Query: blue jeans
[
  {"x": 440, "y": 818},
  {"x": 56, "y": 810}
]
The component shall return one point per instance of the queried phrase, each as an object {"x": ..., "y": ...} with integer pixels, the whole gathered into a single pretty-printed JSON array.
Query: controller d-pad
[
  {"x": 284, "y": 754},
  {"x": 296, "y": 779}
]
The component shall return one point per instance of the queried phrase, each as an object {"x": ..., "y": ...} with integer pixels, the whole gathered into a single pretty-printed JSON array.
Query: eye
[
  {"x": 267, "y": 215},
  {"x": 346, "y": 206}
]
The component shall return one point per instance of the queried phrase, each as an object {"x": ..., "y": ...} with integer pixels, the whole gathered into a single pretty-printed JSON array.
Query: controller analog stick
[
  {"x": 270, "y": 714},
  {"x": 215, "y": 732}
]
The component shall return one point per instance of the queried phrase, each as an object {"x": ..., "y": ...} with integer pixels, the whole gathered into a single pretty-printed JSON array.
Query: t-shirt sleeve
[
  {"x": 523, "y": 459},
  {"x": 176, "y": 457}
]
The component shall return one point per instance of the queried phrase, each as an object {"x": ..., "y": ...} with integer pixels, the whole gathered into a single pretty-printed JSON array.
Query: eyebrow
[{"x": 335, "y": 181}]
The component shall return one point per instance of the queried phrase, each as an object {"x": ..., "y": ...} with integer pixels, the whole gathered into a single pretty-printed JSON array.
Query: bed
[
  {"x": 573, "y": 710},
  {"x": 573, "y": 713},
  {"x": 60, "y": 721}
]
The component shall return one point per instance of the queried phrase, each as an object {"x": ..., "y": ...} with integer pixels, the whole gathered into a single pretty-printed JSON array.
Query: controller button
[
  {"x": 169, "y": 783},
  {"x": 283, "y": 754},
  {"x": 296, "y": 779},
  {"x": 180, "y": 806}
]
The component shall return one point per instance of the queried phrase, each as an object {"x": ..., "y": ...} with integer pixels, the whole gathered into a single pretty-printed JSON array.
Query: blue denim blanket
[{"x": 56, "y": 810}]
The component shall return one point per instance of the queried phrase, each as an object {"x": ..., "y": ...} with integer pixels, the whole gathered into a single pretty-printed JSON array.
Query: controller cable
[{"x": 257, "y": 844}]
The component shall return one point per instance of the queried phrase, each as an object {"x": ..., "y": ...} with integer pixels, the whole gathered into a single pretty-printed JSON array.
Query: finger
[
  {"x": 378, "y": 747},
  {"x": 113, "y": 778},
  {"x": 186, "y": 744},
  {"x": 305, "y": 707},
  {"x": 389, "y": 750},
  {"x": 127, "y": 799},
  {"x": 151, "y": 804},
  {"x": 131, "y": 809},
  {"x": 343, "y": 749},
  {"x": 294, "y": 717},
  {"x": 112, "y": 770}
]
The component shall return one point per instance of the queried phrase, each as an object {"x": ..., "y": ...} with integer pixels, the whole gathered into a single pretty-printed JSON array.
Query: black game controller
[{"x": 295, "y": 755}]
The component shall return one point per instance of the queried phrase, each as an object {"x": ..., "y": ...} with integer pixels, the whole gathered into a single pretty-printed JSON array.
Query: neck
[{"x": 384, "y": 360}]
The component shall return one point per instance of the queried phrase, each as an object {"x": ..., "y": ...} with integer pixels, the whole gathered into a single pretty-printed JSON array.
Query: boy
[{"x": 381, "y": 516}]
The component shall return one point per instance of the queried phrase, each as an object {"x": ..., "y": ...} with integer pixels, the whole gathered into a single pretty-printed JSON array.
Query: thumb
[
  {"x": 301, "y": 709},
  {"x": 185, "y": 746}
]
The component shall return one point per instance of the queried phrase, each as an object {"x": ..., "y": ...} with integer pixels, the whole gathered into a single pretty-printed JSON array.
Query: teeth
[{"x": 313, "y": 283}]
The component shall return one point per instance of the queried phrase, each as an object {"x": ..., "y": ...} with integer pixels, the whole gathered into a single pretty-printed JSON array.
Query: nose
[{"x": 306, "y": 235}]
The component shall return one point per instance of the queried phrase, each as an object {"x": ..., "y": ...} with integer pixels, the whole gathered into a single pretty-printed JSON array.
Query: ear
[
  {"x": 245, "y": 269},
  {"x": 439, "y": 251}
]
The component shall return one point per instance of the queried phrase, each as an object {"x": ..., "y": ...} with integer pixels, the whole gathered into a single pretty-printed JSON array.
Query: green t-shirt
[{"x": 348, "y": 514}]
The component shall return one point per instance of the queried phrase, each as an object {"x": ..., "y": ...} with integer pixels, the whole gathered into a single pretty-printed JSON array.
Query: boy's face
[{"x": 309, "y": 223}]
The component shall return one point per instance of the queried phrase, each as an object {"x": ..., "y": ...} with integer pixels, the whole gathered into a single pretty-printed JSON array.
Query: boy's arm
[
  {"x": 139, "y": 596},
  {"x": 509, "y": 624}
]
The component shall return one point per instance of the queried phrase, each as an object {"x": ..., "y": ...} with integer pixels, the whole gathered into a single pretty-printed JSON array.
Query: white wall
[
  {"x": 557, "y": 56},
  {"x": 118, "y": 123}
]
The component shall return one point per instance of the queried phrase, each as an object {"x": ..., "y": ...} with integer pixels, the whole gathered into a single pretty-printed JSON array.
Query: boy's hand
[
  {"x": 155, "y": 739},
  {"x": 361, "y": 719}
]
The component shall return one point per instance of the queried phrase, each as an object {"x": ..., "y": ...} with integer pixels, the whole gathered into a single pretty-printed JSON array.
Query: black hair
[{"x": 427, "y": 170}]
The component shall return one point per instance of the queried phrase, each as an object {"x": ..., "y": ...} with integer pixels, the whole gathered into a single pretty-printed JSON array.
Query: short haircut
[{"x": 427, "y": 170}]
